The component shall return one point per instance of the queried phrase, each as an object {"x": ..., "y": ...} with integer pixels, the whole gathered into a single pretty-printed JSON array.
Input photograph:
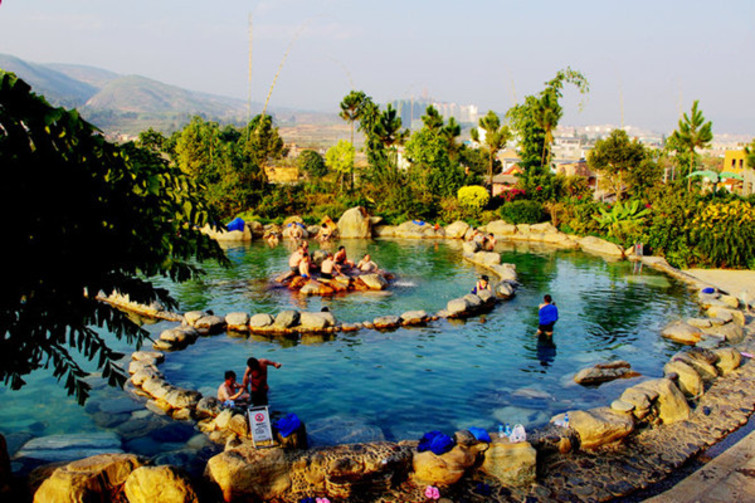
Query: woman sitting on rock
[{"x": 367, "y": 265}]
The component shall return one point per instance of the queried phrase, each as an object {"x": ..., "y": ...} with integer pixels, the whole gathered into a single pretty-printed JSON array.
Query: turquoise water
[{"x": 446, "y": 376}]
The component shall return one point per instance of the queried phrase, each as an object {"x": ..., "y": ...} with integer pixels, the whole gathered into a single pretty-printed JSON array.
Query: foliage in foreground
[{"x": 88, "y": 216}]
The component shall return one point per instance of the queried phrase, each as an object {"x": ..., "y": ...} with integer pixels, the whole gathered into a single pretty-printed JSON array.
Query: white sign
[{"x": 259, "y": 424}]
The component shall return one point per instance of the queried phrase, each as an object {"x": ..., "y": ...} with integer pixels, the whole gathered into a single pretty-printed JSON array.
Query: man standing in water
[
  {"x": 256, "y": 377},
  {"x": 548, "y": 313}
]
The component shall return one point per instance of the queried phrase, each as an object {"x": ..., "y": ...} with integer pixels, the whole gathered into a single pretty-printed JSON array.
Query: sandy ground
[{"x": 733, "y": 282}]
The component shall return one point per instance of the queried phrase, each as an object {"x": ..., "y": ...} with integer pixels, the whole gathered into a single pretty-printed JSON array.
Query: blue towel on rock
[
  {"x": 237, "y": 224},
  {"x": 436, "y": 442},
  {"x": 288, "y": 424},
  {"x": 480, "y": 434}
]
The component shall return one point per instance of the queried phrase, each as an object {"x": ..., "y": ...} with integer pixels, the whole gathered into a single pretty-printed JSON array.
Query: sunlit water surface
[{"x": 400, "y": 384}]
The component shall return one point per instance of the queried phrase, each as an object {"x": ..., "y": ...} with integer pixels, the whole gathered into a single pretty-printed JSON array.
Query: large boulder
[
  {"x": 728, "y": 360},
  {"x": 702, "y": 360},
  {"x": 486, "y": 258},
  {"x": 261, "y": 320},
  {"x": 386, "y": 322},
  {"x": 287, "y": 319},
  {"x": 384, "y": 231},
  {"x": 457, "y": 230},
  {"x": 689, "y": 380},
  {"x": 315, "y": 321},
  {"x": 512, "y": 464},
  {"x": 446, "y": 469},
  {"x": 500, "y": 228},
  {"x": 355, "y": 223},
  {"x": 244, "y": 473},
  {"x": 591, "y": 244},
  {"x": 457, "y": 307},
  {"x": 374, "y": 281},
  {"x": 670, "y": 404},
  {"x": 96, "y": 478},
  {"x": 543, "y": 228},
  {"x": 414, "y": 317},
  {"x": 237, "y": 321},
  {"x": 727, "y": 313},
  {"x": 604, "y": 372},
  {"x": 210, "y": 324},
  {"x": 599, "y": 426},
  {"x": 681, "y": 332},
  {"x": 148, "y": 484}
]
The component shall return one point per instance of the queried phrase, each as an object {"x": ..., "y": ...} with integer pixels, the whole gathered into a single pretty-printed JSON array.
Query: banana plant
[{"x": 621, "y": 217}]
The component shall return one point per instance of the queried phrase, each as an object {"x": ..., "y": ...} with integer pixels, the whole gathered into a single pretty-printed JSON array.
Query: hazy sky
[{"x": 658, "y": 55}]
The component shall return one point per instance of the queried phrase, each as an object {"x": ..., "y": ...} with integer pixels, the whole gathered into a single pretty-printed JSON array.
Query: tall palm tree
[
  {"x": 351, "y": 111},
  {"x": 496, "y": 137},
  {"x": 547, "y": 116}
]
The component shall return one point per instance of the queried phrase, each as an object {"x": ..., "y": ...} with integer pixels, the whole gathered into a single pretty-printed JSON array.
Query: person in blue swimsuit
[{"x": 548, "y": 313}]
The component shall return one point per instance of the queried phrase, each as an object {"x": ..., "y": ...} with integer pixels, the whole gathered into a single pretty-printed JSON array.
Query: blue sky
[{"x": 655, "y": 56}]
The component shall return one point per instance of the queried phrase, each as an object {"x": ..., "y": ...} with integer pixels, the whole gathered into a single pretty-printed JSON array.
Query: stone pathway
[{"x": 727, "y": 478}]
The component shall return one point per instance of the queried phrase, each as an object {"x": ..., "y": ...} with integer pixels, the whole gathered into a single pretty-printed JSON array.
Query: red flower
[
  {"x": 647, "y": 205},
  {"x": 538, "y": 188},
  {"x": 579, "y": 197}
]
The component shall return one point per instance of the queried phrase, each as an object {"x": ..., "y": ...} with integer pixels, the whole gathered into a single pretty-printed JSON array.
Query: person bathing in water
[
  {"x": 329, "y": 268},
  {"x": 548, "y": 313},
  {"x": 482, "y": 284},
  {"x": 256, "y": 377},
  {"x": 367, "y": 264},
  {"x": 230, "y": 391},
  {"x": 340, "y": 258}
]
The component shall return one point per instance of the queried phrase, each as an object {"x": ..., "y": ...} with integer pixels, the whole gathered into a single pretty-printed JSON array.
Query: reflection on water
[{"x": 449, "y": 375}]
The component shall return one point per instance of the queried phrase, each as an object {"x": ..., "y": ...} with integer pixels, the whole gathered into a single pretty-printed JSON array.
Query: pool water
[{"x": 449, "y": 375}]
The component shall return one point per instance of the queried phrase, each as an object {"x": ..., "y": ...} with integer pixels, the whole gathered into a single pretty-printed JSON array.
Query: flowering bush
[
  {"x": 725, "y": 233},
  {"x": 473, "y": 197}
]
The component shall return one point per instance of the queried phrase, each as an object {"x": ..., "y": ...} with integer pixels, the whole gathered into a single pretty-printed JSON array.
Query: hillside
[
  {"x": 124, "y": 105},
  {"x": 57, "y": 87}
]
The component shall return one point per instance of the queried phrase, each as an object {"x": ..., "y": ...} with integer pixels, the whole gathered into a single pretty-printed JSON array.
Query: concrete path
[
  {"x": 733, "y": 282},
  {"x": 730, "y": 477}
]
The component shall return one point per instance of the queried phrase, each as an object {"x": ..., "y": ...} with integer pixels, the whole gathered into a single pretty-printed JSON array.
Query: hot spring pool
[{"x": 400, "y": 384}]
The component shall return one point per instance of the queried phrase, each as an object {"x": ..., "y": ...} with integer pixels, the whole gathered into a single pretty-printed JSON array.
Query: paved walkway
[
  {"x": 733, "y": 282},
  {"x": 730, "y": 477}
]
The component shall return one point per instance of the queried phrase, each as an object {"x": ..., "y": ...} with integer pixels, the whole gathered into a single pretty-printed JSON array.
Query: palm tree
[
  {"x": 496, "y": 137},
  {"x": 547, "y": 116},
  {"x": 351, "y": 111}
]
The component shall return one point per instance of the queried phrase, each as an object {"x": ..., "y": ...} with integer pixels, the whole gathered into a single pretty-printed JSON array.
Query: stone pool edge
[{"x": 553, "y": 439}]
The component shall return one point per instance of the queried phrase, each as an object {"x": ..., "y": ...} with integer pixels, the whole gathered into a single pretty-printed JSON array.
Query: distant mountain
[
  {"x": 123, "y": 105},
  {"x": 91, "y": 75},
  {"x": 59, "y": 88}
]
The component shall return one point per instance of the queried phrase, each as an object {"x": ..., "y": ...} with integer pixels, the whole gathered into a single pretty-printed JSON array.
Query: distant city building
[{"x": 411, "y": 111}]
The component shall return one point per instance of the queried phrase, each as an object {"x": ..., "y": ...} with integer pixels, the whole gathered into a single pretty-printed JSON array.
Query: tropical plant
[
  {"x": 103, "y": 218},
  {"x": 535, "y": 120},
  {"x": 621, "y": 216},
  {"x": 352, "y": 109},
  {"x": 496, "y": 137}
]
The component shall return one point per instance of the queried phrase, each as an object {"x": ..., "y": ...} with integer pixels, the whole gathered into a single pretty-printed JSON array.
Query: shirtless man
[
  {"x": 256, "y": 377},
  {"x": 328, "y": 267},
  {"x": 295, "y": 259},
  {"x": 230, "y": 391},
  {"x": 367, "y": 264},
  {"x": 304, "y": 266},
  {"x": 340, "y": 258}
]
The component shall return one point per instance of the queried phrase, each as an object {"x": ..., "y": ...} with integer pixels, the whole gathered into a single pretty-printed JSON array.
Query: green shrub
[
  {"x": 725, "y": 233},
  {"x": 523, "y": 212}
]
